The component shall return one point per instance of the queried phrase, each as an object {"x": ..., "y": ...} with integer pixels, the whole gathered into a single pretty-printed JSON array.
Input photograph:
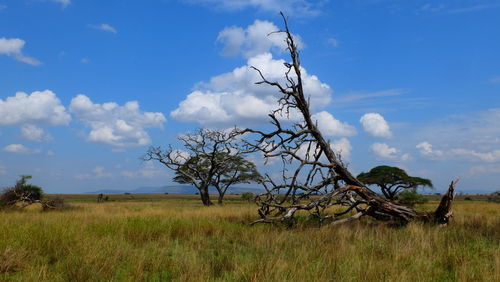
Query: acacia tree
[
  {"x": 212, "y": 158},
  {"x": 229, "y": 169},
  {"x": 311, "y": 167},
  {"x": 392, "y": 180}
]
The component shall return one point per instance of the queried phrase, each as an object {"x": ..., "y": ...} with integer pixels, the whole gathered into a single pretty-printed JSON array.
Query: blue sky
[{"x": 87, "y": 86}]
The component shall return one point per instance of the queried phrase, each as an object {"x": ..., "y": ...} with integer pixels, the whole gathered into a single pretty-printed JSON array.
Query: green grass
[{"x": 172, "y": 237}]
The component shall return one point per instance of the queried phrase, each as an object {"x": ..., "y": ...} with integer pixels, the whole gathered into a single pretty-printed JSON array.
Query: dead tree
[
  {"x": 314, "y": 178},
  {"x": 212, "y": 158}
]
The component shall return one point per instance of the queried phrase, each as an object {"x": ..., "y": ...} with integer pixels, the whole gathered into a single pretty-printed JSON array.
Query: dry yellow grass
[{"x": 178, "y": 239}]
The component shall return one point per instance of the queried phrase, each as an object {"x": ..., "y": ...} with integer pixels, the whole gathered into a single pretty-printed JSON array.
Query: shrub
[
  {"x": 411, "y": 198},
  {"x": 494, "y": 197},
  {"x": 21, "y": 192},
  {"x": 57, "y": 203},
  {"x": 247, "y": 196}
]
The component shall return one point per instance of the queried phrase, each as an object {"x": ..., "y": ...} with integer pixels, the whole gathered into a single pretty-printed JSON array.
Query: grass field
[{"x": 172, "y": 237}]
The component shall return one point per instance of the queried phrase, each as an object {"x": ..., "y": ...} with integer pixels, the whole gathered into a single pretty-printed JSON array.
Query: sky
[{"x": 87, "y": 86}]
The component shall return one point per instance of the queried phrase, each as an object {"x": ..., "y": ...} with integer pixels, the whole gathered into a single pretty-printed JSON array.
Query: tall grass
[{"x": 181, "y": 240}]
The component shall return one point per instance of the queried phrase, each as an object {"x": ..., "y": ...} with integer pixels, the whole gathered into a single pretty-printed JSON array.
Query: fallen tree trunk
[{"x": 318, "y": 180}]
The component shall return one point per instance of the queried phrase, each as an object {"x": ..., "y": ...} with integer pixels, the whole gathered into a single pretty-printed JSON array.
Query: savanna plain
[{"x": 175, "y": 238}]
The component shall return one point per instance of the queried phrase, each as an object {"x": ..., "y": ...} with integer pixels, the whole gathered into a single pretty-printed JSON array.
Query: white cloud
[
  {"x": 233, "y": 98},
  {"x": 342, "y": 147},
  {"x": 97, "y": 172},
  {"x": 376, "y": 125},
  {"x": 427, "y": 150},
  {"x": 384, "y": 151},
  {"x": 19, "y": 149},
  {"x": 148, "y": 171},
  {"x": 493, "y": 156},
  {"x": 3, "y": 7},
  {"x": 482, "y": 169},
  {"x": 13, "y": 47},
  {"x": 39, "y": 107},
  {"x": 119, "y": 126},
  {"x": 84, "y": 60},
  {"x": 332, "y": 42},
  {"x": 429, "y": 8},
  {"x": 64, "y": 3},
  {"x": 330, "y": 126},
  {"x": 34, "y": 133},
  {"x": 254, "y": 39},
  {"x": 301, "y": 8},
  {"x": 104, "y": 27},
  {"x": 455, "y": 131}
]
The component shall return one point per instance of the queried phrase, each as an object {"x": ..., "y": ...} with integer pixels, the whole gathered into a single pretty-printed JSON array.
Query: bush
[
  {"x": 411, "y": 198},
  {"x": 21, "y": 192},
  {"x": 57, "y": 203},
  {"x": 494, "y": 197},
  {"x": 248, "y": 196}
]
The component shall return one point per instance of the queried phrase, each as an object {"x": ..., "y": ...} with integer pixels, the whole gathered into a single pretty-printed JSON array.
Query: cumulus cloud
[
  {"x": 253, "y": 40},
  {"x": 330, "y": 126},
  {"x": 302, "y": 8},
  {"x": 234, "y": 98},
  {"x": 104, "y": 27},
  {"x": 342, "y": 147},
  {"x": 20, "y": 149},
  {"x": 376, "y": 125},
  {"x": 13, "y": 47},
  {"x": 118, "y": 126},
  {"x": 384, "y": 151},
  {"x": 425, "y": 148},
  {"x": 34, "y": 133},
  {"x": 39, "y": 107}
]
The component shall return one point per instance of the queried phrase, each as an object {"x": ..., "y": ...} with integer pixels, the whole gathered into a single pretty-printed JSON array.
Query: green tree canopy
[
  {"x": 392, "y": 180},
  {"x": 222, "y": 168}
]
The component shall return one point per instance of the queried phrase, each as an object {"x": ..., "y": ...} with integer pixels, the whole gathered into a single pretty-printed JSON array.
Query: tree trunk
[
  {"x": 382, "y": 208},
  {"x": 205, "y": 197},
  {"x": 219, "y": 199}
]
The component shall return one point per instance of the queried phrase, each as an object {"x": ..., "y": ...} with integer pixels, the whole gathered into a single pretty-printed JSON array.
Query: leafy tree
[
  {"x": 225, "y": 169},
  {"x": 392, "y": 180},
  {"x": 212, "y": 158}
]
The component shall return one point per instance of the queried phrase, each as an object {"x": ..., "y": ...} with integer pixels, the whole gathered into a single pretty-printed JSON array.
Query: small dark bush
[
  {"x": 468, "y": 199},
  {"x": 411, "y": 198},
  {"x": 56, "y": 202},
  {"x": 494, "y": 197},
  {"x": 248, "y": 196}
]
